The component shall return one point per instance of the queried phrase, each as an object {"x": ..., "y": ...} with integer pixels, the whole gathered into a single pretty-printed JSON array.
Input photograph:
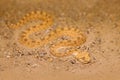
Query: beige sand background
[{"x": 98, "y": 19}]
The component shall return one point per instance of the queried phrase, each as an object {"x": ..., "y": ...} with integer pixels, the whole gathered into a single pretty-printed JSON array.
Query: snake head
[{"x": 83, "y": 57}]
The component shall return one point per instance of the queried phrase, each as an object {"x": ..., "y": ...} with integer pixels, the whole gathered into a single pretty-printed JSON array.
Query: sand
[{"x": 98, "y": 19}]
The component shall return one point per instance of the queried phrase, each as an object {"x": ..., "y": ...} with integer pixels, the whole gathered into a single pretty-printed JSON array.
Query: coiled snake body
[{"x": 76, "y": 37}]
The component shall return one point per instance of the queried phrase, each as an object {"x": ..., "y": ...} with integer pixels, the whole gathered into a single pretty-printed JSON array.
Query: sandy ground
[{"x": 98, "y": 19}]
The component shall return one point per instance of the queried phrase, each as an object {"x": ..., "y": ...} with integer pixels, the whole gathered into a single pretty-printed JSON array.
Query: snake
[{"x": 60, "y": 48}]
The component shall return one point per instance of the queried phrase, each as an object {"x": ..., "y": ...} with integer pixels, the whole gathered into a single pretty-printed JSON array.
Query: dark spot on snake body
[
  {"x": 38, "y": 42},
  {"x": 50, "y": 35},
  {"x": 74, "y": 42},
  {"x": 87, "y": 32},
  {"x": 25, "y": 39},
  {"x": 24, "y": 32},
  {"x": 43, "y": 23},
  {"x": 34, "y": 26},
  {"x": 33, "y": 41},
  {"x": 22, "y": 36},
  {"x": 28, "y": 29},
  {"x": 112, "y": 41},
  {"x": 112, "y": 49},
  {"x": 93, "y": 42},
  {"x": 28, "y": 43},
  {"x": 55, "y": 31},
  {"x": 103, "y": 51},
  {"x": 69, "y": 41},
  {"x": 62, "y": 28},
  {"x": 76, "y": 29},
  {"x": 78, "y": 38}
]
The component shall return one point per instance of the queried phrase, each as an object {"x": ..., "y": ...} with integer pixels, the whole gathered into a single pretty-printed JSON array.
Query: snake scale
[{"x": 76, "y": 37}]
